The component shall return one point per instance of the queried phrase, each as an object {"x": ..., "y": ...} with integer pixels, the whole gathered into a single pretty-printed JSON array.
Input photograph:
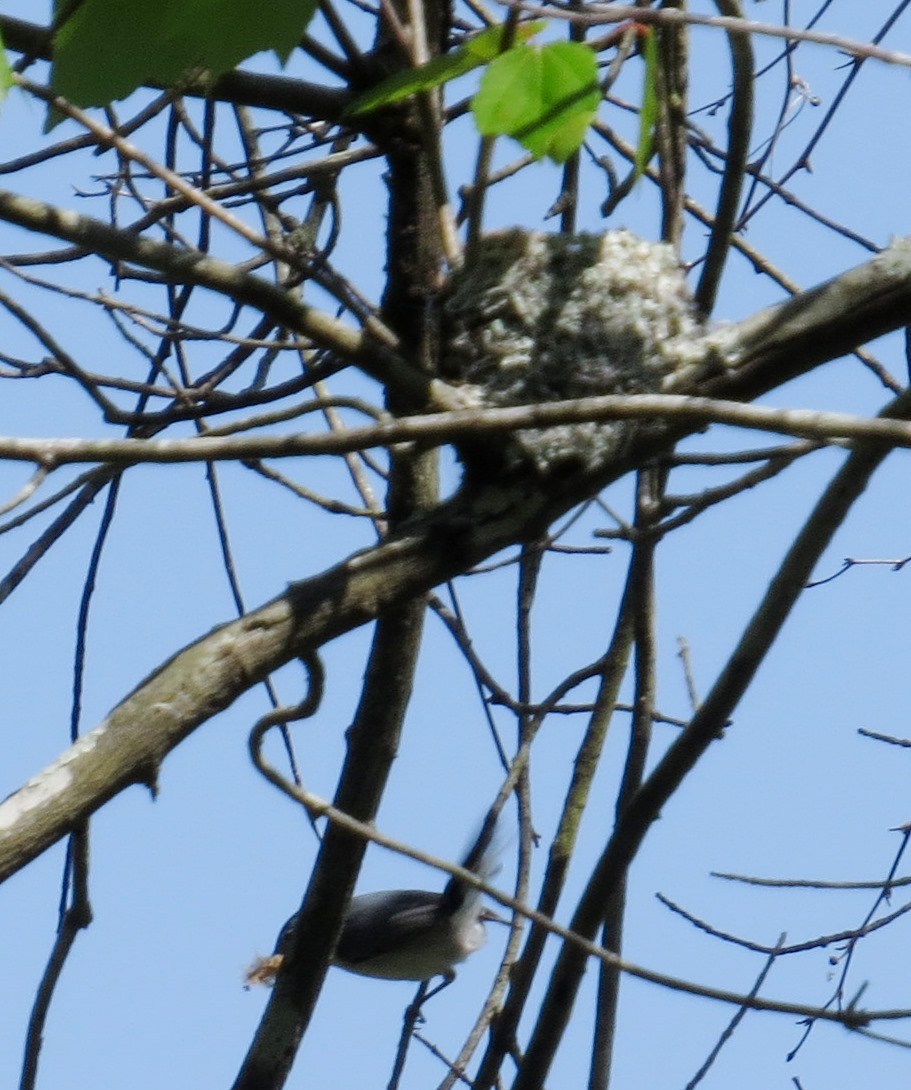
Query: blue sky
[{"x": 187, "y": 889}]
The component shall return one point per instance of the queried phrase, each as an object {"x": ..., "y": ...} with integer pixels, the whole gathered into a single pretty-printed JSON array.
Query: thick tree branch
[
  {"x": 373, "y": 738},
  {"x": 830, "y": 320}
]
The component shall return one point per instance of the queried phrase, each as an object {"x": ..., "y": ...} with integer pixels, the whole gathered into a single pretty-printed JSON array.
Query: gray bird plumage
[{"x": 408, "y": 934}]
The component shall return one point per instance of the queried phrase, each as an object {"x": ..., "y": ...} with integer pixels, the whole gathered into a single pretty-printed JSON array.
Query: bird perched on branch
[{"x": 406, "y": 934}]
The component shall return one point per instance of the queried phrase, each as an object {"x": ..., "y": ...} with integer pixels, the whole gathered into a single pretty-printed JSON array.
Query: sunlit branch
[
  {"x": 597, "y": 15},
  {"x": 445, "y": 427}
]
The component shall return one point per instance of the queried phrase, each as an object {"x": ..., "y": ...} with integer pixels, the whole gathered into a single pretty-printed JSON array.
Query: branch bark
[{"x": 680, "y": 410}]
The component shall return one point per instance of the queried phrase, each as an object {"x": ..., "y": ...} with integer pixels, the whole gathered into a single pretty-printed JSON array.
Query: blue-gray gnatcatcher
[{"x": 406, "y": 934}]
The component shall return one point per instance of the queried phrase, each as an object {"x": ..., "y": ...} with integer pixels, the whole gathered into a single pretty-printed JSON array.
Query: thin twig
[{"x": 728, "y": 1031}]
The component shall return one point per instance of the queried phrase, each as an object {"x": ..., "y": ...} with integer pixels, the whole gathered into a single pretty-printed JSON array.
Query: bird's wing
[{"x": 377, "y": 923}]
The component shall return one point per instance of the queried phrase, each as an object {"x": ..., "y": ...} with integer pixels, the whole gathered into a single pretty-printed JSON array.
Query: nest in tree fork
[{"x": 535, "y": 317}]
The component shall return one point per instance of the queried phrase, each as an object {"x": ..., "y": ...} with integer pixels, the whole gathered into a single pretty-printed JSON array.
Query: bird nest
[{"x": 534, "y": 317}]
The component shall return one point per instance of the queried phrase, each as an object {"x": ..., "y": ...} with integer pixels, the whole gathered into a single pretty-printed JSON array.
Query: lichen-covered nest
[{"x": 536, "y": 317}]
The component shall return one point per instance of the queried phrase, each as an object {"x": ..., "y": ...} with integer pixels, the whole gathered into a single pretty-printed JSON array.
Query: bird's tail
[{"x": 482, "y": 858}]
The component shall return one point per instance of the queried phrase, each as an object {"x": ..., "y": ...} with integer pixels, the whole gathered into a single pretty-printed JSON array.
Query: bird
[{"x": 406, "y": 934}]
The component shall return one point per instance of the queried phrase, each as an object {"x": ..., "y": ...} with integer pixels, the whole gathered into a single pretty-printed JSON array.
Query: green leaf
[
  {"x": 402, "y": 85},
  {"x": 6, "y": 73},
  {"x": 489, "y": 43},
  {"x": 108, "y": 48},
  {"x": 648, "y": 112},
  {"x": 475, "y": 52},
  {"x": 543, "y": 96}
]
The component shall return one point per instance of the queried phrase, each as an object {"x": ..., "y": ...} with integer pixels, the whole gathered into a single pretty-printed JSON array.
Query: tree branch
[
  {"x": 690, "y": 413},
  {"x": 740, "y": 128},
  {"x": 607, "y": 14}
]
